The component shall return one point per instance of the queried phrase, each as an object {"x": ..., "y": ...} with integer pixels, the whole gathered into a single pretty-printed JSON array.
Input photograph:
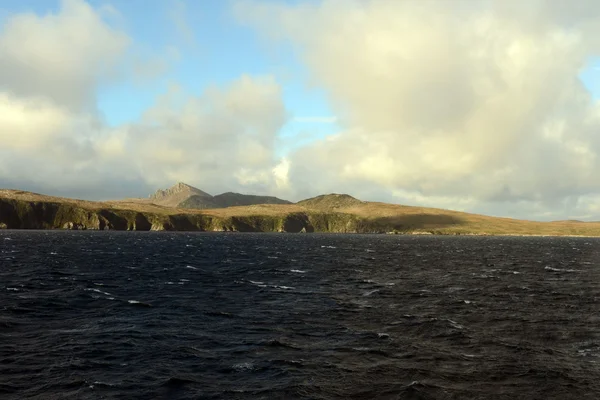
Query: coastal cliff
[
  {"x": 23, "y": 214},
  {"x": 329, "y": 213}
]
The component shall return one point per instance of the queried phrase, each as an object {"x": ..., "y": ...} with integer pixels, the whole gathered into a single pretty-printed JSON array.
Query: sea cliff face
[
  {"x": 21, "y": 214},
  {"x": 329, "y": 213}
]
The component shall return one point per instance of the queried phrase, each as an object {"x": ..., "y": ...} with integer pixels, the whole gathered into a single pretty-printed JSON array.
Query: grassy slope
[
  {"x": 454, "y": 222},
  {"x": 322, "y": 214}
]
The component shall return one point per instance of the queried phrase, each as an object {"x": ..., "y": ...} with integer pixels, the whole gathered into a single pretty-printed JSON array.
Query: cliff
[{"x": 329, "y": 213}]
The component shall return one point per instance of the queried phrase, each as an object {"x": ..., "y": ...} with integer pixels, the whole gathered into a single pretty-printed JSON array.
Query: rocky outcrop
[
  {"x": 177, "y": 189},
  {"x": 178, "y": 194},
  {"x": 74, "y": 226}
]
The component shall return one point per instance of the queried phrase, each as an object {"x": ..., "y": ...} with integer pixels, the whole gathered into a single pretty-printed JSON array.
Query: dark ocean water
[{"x": 116, "y": 315}]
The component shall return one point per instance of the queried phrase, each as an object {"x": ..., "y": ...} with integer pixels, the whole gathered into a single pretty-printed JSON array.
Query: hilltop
[
  {"x": 330, "y": 202},
  {"x": 328, "y": 213},
  {"x": 182, "y": 195},
  {"x": 177, "y": 194}
]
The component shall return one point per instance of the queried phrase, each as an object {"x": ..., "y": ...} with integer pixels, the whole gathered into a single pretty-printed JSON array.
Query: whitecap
[
  {"x": 247, "y": 366},
  {"x": 370, "y": 292},
  {"x": 184, "y": 280},
  {"x": 455, "y": 324},
  {"x": 97, "y": 291},
  {"x": 134, "y": 302},
  {"x": 328, "y": 247},
  {"x": 547, "y": 268},
  {"x": 14, "y": 289},
  {"x": 298, "y": 271},
  {"x": 283, "y": 287},
  {"x": 53, "y": 253},
  {"x": 383, "y": 335},
  {"x": 588, "y": 351},
  {"x": 370, "y": 251},
  {"x": 190, "y": 267},
  {"x": 169, "y": 283}
]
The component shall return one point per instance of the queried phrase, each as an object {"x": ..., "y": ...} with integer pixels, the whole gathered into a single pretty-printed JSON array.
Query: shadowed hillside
[
  {"x": 329, "y": 202},
  {"x": 231, "y": 199}
]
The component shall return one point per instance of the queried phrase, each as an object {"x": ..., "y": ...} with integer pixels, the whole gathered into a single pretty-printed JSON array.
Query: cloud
[
  {"x": 55, "y": 141},
  {"x": 63, "y": 56},
  {"x": 223, "y": 138},
  {"x": 52, "y": 66},
  {"x": 480, "y": 106},
  {"x": 479, "y": 109}
]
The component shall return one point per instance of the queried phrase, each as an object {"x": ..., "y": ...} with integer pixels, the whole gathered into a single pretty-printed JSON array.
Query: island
[{"x": 186, "y": 208}]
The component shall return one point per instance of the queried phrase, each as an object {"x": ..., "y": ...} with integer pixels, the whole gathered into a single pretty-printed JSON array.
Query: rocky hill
[
  {"x": 329, "y": 213},
  {"x": 182, "y": 195},
  {"x": 177, "y": 194},
  {"x": 331, "y": 202}
]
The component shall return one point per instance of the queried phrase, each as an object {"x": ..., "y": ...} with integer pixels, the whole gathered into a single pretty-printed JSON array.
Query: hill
[
  {"x": 182, "y": 195},
  {"x": 330, "y": 202},
  {"x": 328, "y": 213},
  {"x": 177, "y": 194},
  {"x": 198, "y": 202},
  {"x": 231, "y": 199}
]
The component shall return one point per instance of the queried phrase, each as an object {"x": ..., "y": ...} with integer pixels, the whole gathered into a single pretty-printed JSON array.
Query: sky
[{"x": 487, "y": 106}]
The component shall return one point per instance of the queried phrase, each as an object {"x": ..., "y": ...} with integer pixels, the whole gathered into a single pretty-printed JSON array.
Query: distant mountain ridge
[{"x": 182, "y": 195}]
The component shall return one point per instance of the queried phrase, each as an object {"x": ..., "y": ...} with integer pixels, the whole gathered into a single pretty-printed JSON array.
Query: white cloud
[
  {"x": 61, "y": 56},
  {"x": 280, "y": 172},
  {"x": 481, "y": 105},
  {"x": 221, "y": 139},
  {"x": 54, "y": 141}
]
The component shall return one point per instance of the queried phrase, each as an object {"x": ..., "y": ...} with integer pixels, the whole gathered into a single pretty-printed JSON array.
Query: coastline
[{"x": 25, "y": 210}]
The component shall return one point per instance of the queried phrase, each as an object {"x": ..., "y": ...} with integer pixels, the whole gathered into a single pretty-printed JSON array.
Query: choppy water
[{"x": 93, "y": 315}]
